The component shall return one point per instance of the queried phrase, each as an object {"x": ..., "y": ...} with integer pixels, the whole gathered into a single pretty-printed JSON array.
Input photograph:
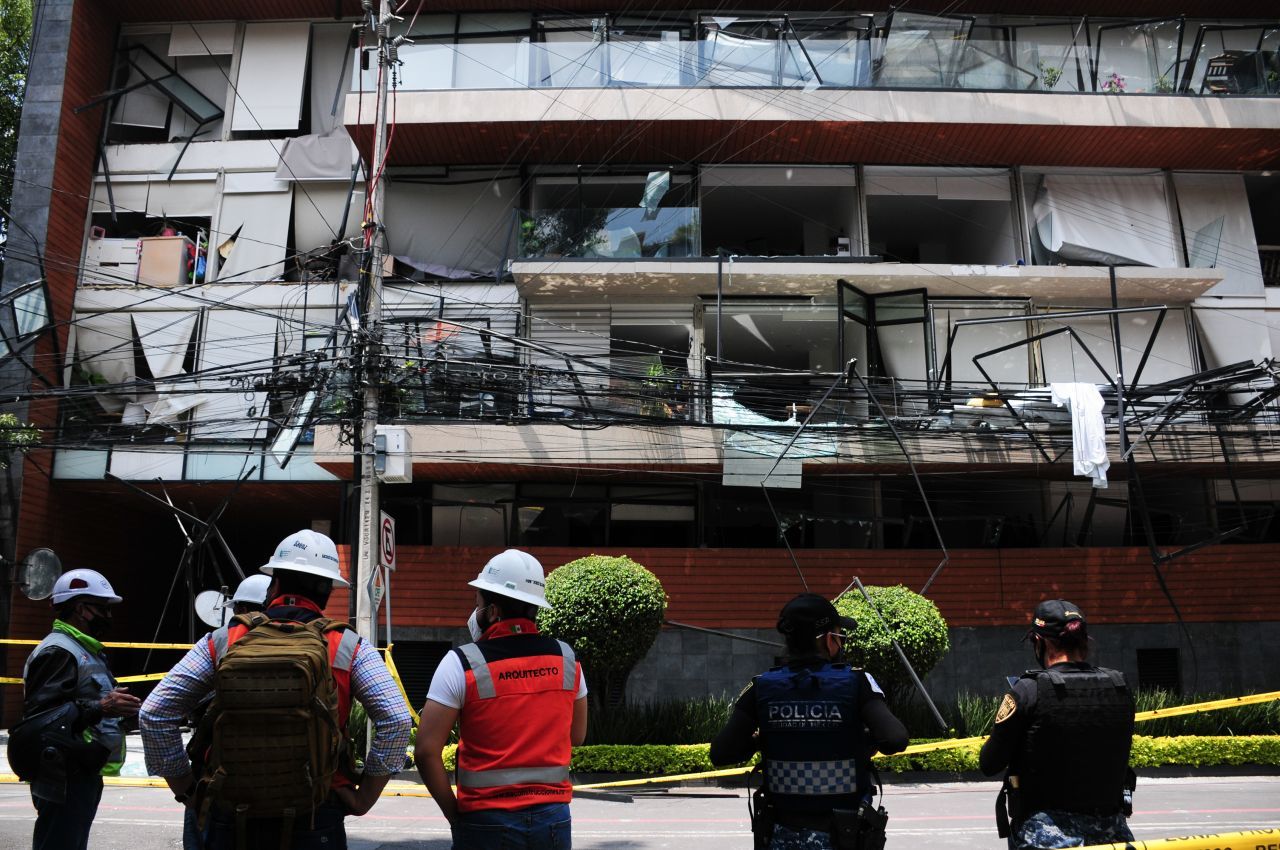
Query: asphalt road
[{"x": 939, "y": 816}]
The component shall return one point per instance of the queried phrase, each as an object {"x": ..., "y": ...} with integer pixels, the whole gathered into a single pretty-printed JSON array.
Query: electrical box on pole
[{"x": 394, "y": 461}]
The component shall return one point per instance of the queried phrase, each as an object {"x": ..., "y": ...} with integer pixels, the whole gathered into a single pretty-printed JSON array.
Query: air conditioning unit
[{"x": 394, "y": 457}]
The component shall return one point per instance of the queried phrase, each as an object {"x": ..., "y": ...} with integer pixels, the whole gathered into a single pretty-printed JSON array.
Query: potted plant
[
  {"x": 1163, "y": 84},
  {"x": 1113, "y": 84},
  {"x": 1049, "y": 75}
]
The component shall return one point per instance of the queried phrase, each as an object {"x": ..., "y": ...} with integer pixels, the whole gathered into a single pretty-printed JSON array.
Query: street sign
[{"x": 387, "y": 550}]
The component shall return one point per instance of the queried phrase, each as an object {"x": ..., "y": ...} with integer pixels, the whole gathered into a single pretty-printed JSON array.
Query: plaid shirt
[{"x": 191, "y": 680}]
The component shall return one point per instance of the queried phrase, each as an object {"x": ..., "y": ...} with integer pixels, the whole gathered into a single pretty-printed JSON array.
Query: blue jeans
[
  {"x": 65, "y": 826},
  {"x": 545, "y": 827}
]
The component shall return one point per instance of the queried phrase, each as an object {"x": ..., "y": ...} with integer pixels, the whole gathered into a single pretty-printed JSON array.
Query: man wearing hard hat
[
  {"x": 250, "y": 596},
  {"x": 238, "y": 795},
  {"x": 70, "y": 735},
  {"x": 520, "y": 700}
]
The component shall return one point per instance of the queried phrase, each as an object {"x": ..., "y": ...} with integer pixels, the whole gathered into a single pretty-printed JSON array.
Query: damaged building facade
[{"x": 757, "y": 297}]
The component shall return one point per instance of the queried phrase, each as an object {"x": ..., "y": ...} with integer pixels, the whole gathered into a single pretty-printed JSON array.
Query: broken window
[
  {"x": 1057, "y": 52},
  {"x": 1170, "y": 354},
  {"x": 779, "y": 211},
  {"x": 1234, "y": 59},
  {"x": 888, "y": 332},
  {"x": 152, "y": 101},
  {"x": 570, "y": 353},
  {"x": 955, "y": 363},
  {"x": 648, "y": 52},
  {"x": 133, "y": 361},
  {"x": 920, "y": 51},
  {"x": 456, "y": 225},
  {"x": 650, "y": 359},
  {"x": 763, "y": 369},
  {"x": 941, "y": 215},
  {"x": 1218, "y": 229},
  {"x": 1264, "y": 209},
  {"x": 602, "y": 214},
  {"x": 1139, "y": 57}
]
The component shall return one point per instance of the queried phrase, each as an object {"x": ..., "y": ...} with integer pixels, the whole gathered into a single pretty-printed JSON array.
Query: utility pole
[{"x": 365, "y": 564}]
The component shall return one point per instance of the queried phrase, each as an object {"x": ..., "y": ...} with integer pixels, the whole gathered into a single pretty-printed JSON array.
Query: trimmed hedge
[{"x": 670, "y": 759}]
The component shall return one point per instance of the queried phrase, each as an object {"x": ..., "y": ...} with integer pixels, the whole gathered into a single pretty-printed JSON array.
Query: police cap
[
  {"x": 1056, "y": 618},
  {"x": 811, "y": 613}
]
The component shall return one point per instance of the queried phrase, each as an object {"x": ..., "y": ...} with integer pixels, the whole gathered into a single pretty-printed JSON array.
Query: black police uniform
[
  {"x": 819, "y": 723},
  {"x": 1065, "y": 734}
]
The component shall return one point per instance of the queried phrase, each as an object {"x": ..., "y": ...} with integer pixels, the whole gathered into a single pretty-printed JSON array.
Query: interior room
[
  {"x": 779, "y": 211},
  {"x": 942, "y": 215}
]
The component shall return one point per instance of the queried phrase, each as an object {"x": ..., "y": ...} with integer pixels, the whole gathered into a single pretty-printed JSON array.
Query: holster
[
  {"x": 763, "y": 820},
  {"x": 1008, "y": 806},
  {"x": 862, "y": 828}
]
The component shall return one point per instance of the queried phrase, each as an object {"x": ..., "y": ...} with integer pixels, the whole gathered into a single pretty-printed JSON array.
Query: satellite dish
[
  {"x": 40, "y": 569},
  {"x": 213, "y": 607}
]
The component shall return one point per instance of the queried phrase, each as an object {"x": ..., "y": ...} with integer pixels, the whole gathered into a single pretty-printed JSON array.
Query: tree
[
  {"x": 916, "y": 624},
  {"x": 609, "y": 609},
  {"x": 15, "y": 435},
  {"x": 15, "y": 51}
]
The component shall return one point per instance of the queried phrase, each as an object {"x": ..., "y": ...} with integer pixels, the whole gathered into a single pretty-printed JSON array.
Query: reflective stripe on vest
[
  {"x": 512, "y": 776},
  {"x": 484, "y": 678},
  {"x": 345, "y": 657},
  {"x": 813, "y": 777}
]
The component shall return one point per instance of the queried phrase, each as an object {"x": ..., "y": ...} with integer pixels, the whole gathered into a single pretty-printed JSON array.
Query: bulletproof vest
[
  {"x": 1076, "y": 754},
  {"x": 93, "y": 681},
  {"x": 812, "y": 738}
]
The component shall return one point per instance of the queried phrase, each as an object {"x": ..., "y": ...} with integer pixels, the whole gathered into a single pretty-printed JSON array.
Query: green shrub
[
  {"x": 609, "y": 609},
  {"x": 692, "y": 721},
  {"x": 916, "y": 624}
]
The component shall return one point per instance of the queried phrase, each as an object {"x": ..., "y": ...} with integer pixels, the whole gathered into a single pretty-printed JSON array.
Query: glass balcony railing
[
  {"x": 609, "y": 233},
  {"x": 906, "y": 59}
]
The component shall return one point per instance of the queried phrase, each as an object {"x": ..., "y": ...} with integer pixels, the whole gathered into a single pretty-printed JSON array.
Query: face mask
[
  {"x": 473, "y": 625},
  {"x": 99, "y": 626}
]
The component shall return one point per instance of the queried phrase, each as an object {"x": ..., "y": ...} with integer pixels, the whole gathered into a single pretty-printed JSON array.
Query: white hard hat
[
  {"x": 253, "y": 589},
  {"x": 515, "y": 574},
  {"x": 83, "y": 583},
  {"x": 307, "y": 552}
]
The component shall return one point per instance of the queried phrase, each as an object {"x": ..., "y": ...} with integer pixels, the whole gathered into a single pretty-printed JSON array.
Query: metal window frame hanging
[{"x": 170, "y": 84}]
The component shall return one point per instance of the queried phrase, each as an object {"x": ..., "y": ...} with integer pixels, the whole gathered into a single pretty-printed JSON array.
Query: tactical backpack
[{"x": 275, "y": 736}]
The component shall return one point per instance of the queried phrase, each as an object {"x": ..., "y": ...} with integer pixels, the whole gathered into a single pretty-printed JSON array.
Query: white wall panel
[
  {"x": 263, "y": 220},
  {"x": 273, "y": 69}
]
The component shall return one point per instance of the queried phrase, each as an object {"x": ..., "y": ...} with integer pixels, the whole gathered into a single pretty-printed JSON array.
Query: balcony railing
[
  {"x": 904, "y": 59},
  {"x": 615, "y": 233}
]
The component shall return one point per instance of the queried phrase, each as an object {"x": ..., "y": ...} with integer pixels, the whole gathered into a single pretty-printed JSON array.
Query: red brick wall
[
  {"x": 43, "y": 521},
  {"x": 745, "y": 588}
]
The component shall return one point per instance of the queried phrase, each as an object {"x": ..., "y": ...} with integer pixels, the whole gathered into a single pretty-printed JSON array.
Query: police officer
[
  {"x": 520, "y": 701},
  {"x": 67, "y": 681},
  {"x": 817, "y": 723},
  {"x": 1062, "y": 734}
]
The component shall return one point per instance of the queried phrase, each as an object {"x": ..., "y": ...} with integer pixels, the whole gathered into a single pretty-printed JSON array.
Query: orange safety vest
[
  {"x": 342, "y": 653},
  {"x": 514, "y": 730}
]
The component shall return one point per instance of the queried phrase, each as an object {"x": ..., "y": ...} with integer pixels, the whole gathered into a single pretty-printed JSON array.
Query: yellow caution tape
[
  {"x": 1249, "y": 839},
  {"x": 395, "y": 674},
  {"x": 1215, "y": 705},
  {"x": 23, "y": 642},
  {"x": 626, "y": 783}
]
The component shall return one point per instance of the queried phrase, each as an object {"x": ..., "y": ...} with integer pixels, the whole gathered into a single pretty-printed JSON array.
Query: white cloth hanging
[{"x": 1088, "y": 431}]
